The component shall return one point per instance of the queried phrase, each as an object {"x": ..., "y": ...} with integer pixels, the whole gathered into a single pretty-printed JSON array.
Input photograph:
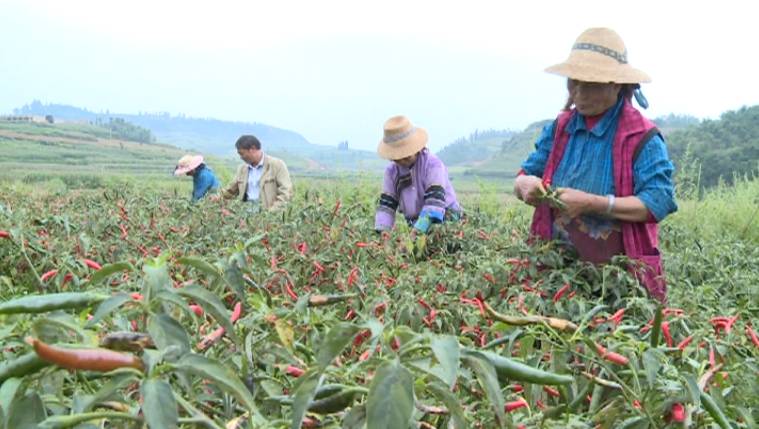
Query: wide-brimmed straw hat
[
  {"x": 599, "y": 55},
  {"x": 401, "y": 139},
  {"x": 188, "y": 163}
]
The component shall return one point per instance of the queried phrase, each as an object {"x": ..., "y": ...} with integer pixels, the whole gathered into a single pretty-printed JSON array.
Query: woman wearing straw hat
[
  {"x": 203, "y": 179},
  {"x": 608, "y": 163},
  {"x": 416, "y": 182}
]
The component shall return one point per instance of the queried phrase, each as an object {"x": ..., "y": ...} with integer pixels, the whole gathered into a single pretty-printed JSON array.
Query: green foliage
[
  {"x": 477, "y": 147},
  {"x": 727, "y": 149},
  {"x": 409, "y": 344},
  {"x": 118, "y": 128}
]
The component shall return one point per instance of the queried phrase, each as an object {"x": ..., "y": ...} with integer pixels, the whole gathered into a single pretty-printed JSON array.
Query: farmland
[{"x": 307, "y": 317}]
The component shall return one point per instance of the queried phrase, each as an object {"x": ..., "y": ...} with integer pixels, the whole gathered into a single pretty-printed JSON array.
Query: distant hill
[
  {"x": 82, "y": 155},
  {"x": 217, "y": 137},
  {"x": 724, "y": 147},
  {"x": 495, "y": 154},
  {"x": 478, "y": 146}
]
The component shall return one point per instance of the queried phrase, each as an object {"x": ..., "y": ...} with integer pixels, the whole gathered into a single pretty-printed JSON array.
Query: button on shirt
[{"x": 254, "y": 178}]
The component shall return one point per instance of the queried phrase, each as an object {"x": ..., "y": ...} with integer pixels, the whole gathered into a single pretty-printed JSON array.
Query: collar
[
  {"x": 577, "y": 122},
  {"x": 260, "y": 164}
]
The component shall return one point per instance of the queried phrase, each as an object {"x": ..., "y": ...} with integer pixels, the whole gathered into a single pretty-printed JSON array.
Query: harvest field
[{"x": 226, "y": 318}]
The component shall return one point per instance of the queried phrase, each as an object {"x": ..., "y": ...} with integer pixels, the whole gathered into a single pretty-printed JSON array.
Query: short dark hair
[{"x": 248, "y": 142}]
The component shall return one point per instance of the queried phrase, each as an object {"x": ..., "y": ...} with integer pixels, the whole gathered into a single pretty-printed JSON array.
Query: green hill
[
  {"x": 217, "y": 137},
  {"x": 723, "y": 148},
  {"x": 477, "y": 147},
  {"x": 491, "y": 156},
  {"x": 78, "y": 153}
]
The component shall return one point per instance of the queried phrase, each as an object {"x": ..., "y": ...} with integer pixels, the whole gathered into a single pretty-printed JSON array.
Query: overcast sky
[{"x": 335, "y": 70}]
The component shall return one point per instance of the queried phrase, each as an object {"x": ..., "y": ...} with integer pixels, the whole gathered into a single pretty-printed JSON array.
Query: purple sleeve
[{"x": 384, "y": 218}]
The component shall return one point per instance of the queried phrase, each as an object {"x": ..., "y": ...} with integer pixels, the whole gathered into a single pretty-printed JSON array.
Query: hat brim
[
  {"x": 196, "y": 161},
  {"x": 409, "y": 146},
  {"x": 622, "y": 73}
]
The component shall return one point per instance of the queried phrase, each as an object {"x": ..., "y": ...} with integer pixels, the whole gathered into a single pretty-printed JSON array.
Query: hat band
[
  {"x": 603, "y": 50},
  {"x": 397, "y": 137}
]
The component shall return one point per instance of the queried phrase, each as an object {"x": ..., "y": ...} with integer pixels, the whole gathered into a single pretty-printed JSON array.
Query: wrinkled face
[
  {"x": 407, "y": 161},
  {"x": 593, "y": 98},
  {"x": 251, "y": 156}
]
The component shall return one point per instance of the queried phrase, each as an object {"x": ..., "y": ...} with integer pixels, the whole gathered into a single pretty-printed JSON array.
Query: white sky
[{"x": 335, "y": 70}]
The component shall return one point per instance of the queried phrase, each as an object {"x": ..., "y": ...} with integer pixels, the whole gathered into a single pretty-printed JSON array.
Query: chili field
[{"x": 131, "y": 307}]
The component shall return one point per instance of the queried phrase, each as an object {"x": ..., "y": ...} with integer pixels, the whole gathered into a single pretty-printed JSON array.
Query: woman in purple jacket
[{"x": 416, "y": 182}]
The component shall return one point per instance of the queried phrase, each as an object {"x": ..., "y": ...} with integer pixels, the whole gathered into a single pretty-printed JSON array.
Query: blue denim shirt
[
  {"x": 203, "y": 181},
  {"x": 587, "y": 163}
]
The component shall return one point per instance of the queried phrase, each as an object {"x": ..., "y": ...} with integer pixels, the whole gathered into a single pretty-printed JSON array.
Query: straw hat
[
  {"x": 188, "y": 163},
  {"x": 401, "y": 139},
  {"x": 599, "y": 55}
]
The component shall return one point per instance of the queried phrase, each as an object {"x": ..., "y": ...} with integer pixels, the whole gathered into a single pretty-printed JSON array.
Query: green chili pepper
[
  {"x": 50, "y": 302},
  {"x": 713, "y": 409},
  {"x": 21, "y": 366},
  {"x": 517, "y": 371}
]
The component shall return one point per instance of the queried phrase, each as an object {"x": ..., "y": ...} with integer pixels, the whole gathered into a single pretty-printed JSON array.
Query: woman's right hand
[{"x": 529, "y": 189}]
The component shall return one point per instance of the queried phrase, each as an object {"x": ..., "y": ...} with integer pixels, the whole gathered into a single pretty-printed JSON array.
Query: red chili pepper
[
  {"x": 290, "y": 292},
  {"x": 365, "y": 355},
  {"x": 353, "y": 276},
  {"x": 137, "y": 296},
  {"x": 92, "y": 264},
  {"x": 133, "y": 324},
  {"x": 489, "y": 278},
  {"x": 303, "y": 248},
  {"x": 124, "y": 232},
  {"x": 48, "y": 275},
  {"x": 666, "y": 333},
  {"x": 67, "y": 278},
  {"x": 440, "y": 288},
  {"x": 684, "y": 343},
  {"x": 350, "y": 315},
  {"x": 724, "y": 323},
  {"x": 557, "y": 296},
  {"x": 430, "y": 318},
  {"x": 515, "y": 405},
  {"x": 752, "y": 335},
  {"x": 551, "y": 391},
  {"x": 611, "y": 356},
  {"x": 712, "y": 359},
  {"x": 361, "y": 244},
  {"x": 424, "y": 304},
  {"x": 337, "y": 208},
  {"x": 379, "y": 309},
  {"x": 294, "y": 371},
  {"x": 678, "y": 412},
  {"x": 395, "y": 344},
  {"x": 636, "y": 404},
  {"x": 236, "y": 312},
  {"x": 198, "y": 310},
  {"x": 517, "y": 388},
  {"x": 672, "y": 312},
  {"x": 361, "y": 337},
  {"x": 617, "y": 317},
  {"x": 5, "y": 234}
]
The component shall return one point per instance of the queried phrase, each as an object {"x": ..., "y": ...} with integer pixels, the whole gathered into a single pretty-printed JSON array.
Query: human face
[
  {"x": 251, "y": 156},
  {"x": 407, "y": 161},
  {"x": 593, "y": 98}
]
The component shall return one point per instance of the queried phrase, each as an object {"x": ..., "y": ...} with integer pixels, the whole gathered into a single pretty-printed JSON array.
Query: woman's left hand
[{"x": 576, "y": 202}]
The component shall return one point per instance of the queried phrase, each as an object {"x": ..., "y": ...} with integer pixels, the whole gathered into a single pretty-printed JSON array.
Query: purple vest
[{"x": 640, "y": 239}]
